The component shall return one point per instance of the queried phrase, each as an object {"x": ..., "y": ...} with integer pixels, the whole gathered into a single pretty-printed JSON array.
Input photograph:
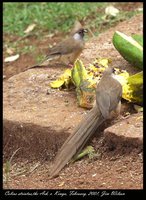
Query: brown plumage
[
  {"x": 67, "y": 51},
  {"x": 108, "y": 95}
]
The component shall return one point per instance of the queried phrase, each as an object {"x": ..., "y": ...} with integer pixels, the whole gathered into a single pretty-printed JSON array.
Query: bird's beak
[
  {"x": 85, "y": 30},
  {"x": 114, "y": 70}
]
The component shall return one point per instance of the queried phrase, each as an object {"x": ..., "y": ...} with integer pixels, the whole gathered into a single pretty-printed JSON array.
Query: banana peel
[
  {"x": 85, "y": 85},
  {"x": 132, "y": 86},
  {"x": 86, "y": 79},
  {"x": 135, "y": 83},
  {"x": 78, "y": 73},
  {"x": 63, "y": 80}
]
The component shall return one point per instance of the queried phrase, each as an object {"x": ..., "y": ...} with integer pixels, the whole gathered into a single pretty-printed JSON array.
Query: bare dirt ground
[{"x": 118, "y": 166}]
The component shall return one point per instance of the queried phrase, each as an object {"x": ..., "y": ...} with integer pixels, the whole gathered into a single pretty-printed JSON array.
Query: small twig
[
  {"x": 19, "y": 173},
  {"x": 34, "y": 168},
  {"x": 14, "y": 154}
]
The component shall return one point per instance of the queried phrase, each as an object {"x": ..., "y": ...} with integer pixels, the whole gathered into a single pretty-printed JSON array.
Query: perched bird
[
  {"x": 108, "y": 97},
  {"x": 67, "y": 51}
]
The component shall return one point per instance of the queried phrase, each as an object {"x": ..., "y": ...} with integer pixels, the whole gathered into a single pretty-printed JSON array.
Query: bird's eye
[{"x": 113, "y": 70}]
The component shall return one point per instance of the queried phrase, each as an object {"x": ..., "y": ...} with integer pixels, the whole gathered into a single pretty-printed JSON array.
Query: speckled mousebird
[
  {"x": 67, "y": 51},
  {"x": 108, "y": 99}
]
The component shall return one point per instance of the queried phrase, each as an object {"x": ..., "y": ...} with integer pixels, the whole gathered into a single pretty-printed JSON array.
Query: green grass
[
  {"x": 52, "y": 17},
  {"x": 47, "y": 16},
  {"x": 7, "y": 167}
]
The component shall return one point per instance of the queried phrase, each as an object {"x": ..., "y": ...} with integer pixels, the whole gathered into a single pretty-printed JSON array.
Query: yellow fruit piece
[{"x": 64, "y": 79}]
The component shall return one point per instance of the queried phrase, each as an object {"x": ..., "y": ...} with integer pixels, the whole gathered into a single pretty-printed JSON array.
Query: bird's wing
[
  {"x": 103, "y": 101},
  {"x": 108, "y": 96},
  {"x": 66, "y": 47},
  {"x": 115, "y": 96}
]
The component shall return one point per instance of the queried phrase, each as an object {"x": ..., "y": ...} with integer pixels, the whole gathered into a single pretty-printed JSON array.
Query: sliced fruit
[{"x": 129, "y": 48}]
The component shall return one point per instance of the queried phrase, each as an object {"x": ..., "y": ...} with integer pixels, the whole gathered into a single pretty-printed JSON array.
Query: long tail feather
[{"x": 76, "y": 141}]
